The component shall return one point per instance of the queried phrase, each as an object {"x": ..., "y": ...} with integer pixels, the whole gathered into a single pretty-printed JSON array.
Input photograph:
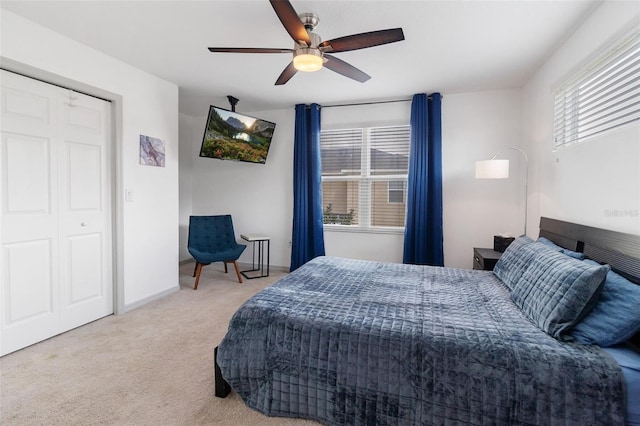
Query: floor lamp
[{"x": 499, "y": 169}]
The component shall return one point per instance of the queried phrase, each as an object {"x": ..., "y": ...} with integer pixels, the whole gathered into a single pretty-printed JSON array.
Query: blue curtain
[
  {"x": 423, "y": 230},
  {"x": 307, "y": 240}
]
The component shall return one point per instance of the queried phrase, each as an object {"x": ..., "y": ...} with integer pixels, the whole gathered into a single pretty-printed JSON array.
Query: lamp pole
[{"x": 526, "y": 180}]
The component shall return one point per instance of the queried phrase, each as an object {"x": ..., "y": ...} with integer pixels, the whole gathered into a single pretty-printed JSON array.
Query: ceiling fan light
[{"x": 308, "y": 61}]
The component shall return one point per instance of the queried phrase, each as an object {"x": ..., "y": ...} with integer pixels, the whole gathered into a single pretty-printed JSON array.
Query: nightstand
[
  {"x": 485, "y": 258},
  {"x": 259, "y": 266}
]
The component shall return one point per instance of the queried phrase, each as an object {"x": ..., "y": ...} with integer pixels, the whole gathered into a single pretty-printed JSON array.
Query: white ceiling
[{"x": 449, "y": 46}]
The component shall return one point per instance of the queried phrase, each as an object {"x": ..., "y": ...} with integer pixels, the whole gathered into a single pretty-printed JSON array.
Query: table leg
[{"x": 259, "y": 258}]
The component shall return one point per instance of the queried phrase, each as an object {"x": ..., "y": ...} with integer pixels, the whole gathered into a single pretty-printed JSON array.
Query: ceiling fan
[{"x": 310, "y": 53}]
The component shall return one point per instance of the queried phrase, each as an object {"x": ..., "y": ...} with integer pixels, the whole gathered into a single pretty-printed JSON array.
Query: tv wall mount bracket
[{"x": 233, "y": 101}]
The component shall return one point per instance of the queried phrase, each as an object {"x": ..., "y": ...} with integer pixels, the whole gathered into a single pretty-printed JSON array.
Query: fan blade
[
  {"x": 248, "y": 50},
  {"x": 362, "y": 40},
  {"x": 290, "y": 20},
  {"x": 341, "y": 67},
  {"x": 286, "y": 75}
]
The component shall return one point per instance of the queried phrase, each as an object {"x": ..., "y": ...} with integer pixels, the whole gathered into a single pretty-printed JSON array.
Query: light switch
[{"x": 128, "y": 195}]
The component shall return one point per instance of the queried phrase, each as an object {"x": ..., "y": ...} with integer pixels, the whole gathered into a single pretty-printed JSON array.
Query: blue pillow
[
  {"x": 514, "y": 261},
  {"x": 616, "y": 316},
  {"x": 574, "y": 254},
  {"x": 556, "y": 291}
]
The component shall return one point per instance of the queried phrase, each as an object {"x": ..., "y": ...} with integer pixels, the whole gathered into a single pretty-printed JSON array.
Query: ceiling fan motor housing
[{"x": 315, "y": 41}]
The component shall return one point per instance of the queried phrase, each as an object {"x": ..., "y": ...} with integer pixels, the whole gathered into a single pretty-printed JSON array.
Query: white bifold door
[{"x": 56, "y": 266}]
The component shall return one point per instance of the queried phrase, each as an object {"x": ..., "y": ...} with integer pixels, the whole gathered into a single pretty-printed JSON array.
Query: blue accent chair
[{"x": 211, "y": 239}]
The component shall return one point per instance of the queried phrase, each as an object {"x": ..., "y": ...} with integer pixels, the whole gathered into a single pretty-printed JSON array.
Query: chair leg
[
  {"x": 235, "y": 263},
  {"x": 195, "y": 269},
  {"x": 225, "y": 267},
  {"x": 197, "y": 274}
]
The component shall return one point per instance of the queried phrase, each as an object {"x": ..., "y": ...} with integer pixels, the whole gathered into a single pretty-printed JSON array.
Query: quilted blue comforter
[{"x": 354, "y": 342}]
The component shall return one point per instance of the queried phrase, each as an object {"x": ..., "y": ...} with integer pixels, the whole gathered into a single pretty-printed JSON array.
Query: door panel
[
  {"x": 29, "y": 224},
  {"x": 85, "y": 212},
  {"x": 86, "y": 119},
  {"x": 25, "y": 106},
  {"x": 84, "y": 176},
  {"x": 27, "y": 176},
  {"x": 29, "y": 297},
  {"x": 85, "y": 268}
]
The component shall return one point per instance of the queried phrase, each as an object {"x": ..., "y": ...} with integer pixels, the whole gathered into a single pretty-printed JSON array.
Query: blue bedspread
[{"x": 354, "y": 342}]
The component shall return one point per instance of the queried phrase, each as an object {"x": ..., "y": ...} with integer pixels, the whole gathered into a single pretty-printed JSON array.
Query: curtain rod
[{"x": 372, "y": 102}]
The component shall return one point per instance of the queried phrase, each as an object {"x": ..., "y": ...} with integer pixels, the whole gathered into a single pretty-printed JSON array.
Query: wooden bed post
[{"x": 222, "y": 388}]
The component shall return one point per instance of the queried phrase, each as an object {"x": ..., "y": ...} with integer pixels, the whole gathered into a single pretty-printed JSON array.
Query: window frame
[
  {"x": 598, "y": 97},
  {"x": 366, "y": 178}
]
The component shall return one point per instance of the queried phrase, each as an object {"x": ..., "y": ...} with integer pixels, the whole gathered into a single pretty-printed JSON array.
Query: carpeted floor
[{"x": 150, "y": 366}]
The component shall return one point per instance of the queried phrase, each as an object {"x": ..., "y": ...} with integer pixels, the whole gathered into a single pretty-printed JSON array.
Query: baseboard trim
[
  {"x": 244, "y": 266},
  {"x": 274, "y": 268},
  {"x": 141, "y": 302}
]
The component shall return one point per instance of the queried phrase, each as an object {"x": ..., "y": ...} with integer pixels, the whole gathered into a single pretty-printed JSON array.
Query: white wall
[
  {"x": 475, "y": 126},
  {"x": 259, "y": 197},
  {"x": 146, "y": 229},
  {"x": 595, "y": 183}
]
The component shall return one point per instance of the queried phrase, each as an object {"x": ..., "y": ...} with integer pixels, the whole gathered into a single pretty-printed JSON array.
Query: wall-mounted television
[{"x": 237, "y": 137}]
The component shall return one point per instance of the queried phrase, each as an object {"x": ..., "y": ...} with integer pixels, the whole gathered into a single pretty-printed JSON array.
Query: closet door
[
  {"x": 84, "y": 211},
  {"x": 55, "y": 205}
]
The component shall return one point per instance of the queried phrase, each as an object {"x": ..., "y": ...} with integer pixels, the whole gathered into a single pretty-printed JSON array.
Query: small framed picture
[{"x": 151, "y": 151}]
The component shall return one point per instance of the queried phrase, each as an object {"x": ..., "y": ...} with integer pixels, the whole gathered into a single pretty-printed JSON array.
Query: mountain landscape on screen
[{"x": 233, "y": 136}]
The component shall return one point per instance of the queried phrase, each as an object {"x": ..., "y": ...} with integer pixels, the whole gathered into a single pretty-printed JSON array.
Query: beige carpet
[{"x": 150, "y": 366}]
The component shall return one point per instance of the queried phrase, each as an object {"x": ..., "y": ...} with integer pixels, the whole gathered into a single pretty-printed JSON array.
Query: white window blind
[
  {"x": 603, "y": 96},
  {"x": 364, "y": 175}
]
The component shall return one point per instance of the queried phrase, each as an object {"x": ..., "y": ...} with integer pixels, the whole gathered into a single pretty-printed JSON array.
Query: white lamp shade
[{"x": 492, "y": 169}]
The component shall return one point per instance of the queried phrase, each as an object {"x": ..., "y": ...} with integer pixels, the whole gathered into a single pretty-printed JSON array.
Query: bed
[{"x": 344, "y": 341}]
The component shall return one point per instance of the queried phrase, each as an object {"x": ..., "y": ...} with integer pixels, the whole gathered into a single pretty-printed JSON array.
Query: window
[
  {"x": 364, "y": 176},
  {"x": 395, "y": 191},
  {"x": 603, "y": 96}
]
